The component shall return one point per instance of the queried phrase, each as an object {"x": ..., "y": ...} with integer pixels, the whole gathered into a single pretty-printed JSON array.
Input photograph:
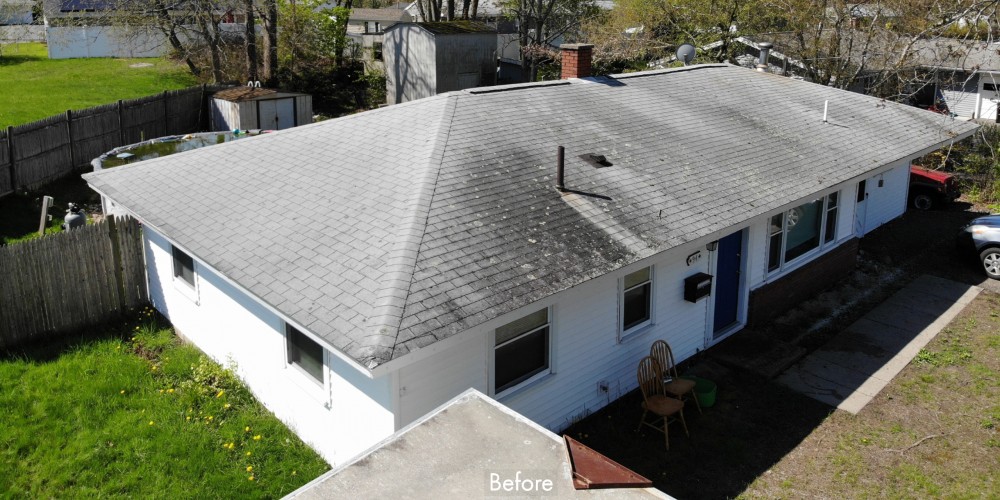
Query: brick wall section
[
  {"x": 576, "y": 58},
  {"x": 773, "y": 299}
]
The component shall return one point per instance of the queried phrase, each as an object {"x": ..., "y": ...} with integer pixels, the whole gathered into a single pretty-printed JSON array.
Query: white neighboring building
[{"x": 362, "y": 271}]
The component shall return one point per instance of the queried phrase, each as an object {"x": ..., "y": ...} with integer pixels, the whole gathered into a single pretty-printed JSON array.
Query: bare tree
[{"x": 540, "y": 23}]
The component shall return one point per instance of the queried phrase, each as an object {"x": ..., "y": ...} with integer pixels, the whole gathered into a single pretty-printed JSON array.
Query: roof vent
[
  {"x": 765, "y": 51},
  {"x": 598, "y": 161}
]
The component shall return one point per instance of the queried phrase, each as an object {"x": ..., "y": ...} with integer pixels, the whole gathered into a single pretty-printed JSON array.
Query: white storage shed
[{"x": 248, "y": 108}]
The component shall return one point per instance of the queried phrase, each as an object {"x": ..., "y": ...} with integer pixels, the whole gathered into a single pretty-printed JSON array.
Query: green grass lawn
[
  {"x": 35, "y": 87},
  {"x": 139, "y": 416}
]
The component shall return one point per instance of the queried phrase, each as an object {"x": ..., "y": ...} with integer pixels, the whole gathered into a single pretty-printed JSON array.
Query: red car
[{"x": 930, "y": 188}]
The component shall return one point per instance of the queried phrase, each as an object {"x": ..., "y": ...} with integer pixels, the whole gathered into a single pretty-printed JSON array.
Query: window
[
  {"x": 521, "y": 350},
  {"x": 831, "y": 218},
  {"x": 801, "y": 230},
  {"x": 637, "y": 300},
  {"x": 183, "y": 266},
  {"x": 377, "y": 51},
  {"x": 305, "y": 353}
]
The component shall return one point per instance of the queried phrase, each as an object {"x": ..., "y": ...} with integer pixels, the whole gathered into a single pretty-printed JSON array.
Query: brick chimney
[{"x": 576, "y": 60}]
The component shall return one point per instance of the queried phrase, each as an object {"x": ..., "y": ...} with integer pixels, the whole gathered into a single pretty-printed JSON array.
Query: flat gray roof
[
  {"x": 466, "y": 448},
  {"x": 389, "y": 230}
]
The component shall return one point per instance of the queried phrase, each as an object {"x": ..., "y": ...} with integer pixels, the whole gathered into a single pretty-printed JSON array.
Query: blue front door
[{"x": 728, "y": 264}]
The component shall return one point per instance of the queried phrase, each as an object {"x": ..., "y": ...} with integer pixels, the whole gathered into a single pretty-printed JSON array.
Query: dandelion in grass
[
  {"x": 189, "y": 418},
  {"x": 150, "y": 422},
  {"x": 249, "y": 453},
  {"x": 250, "y": 478},
  {"x": 293, "y": 473},
  {"x": 210, "y": 418},
  {"x": 220, "y": 394},
  {"x": 246, "y": 429},
  {"x": 226, "y": 406},
  {"x": 249, "y": 468},
  {"x": 257, "y": 437},
  {"x": 170, "y": 390},
  {"x": 121, "y": 391}
]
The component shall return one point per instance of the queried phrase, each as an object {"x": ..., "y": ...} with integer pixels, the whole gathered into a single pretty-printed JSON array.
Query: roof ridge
[{"x": 390, "y": 297}]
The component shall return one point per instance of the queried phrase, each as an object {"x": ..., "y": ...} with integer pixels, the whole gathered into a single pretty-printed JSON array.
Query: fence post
[
  {"x": 121, "y": 125},
  {"x": 202, "y": 110},
  {"x": 116, "y": 261},
  {"x": 166, "y": 115},
  {"x": 69, "y": 135},
  {"x": 10, "y": 153}
]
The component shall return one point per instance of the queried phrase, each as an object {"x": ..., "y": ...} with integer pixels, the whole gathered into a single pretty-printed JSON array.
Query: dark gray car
[{"x": 982, "y": 235}]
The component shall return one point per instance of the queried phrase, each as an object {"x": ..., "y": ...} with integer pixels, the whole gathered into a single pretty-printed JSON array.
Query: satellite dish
[{"x": 685, "y": 53}]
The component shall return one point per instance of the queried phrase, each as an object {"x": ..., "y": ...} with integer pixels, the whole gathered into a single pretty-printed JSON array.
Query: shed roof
[
  {"x": 389, "y": 230},
  {"x": 434, "y": 458},
  {"x": 238, "y": 94},
  {"x": 453, "y": 27}
]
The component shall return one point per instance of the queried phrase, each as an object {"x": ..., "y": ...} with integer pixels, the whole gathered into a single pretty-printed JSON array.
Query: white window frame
[
  {"x": 186, "y": 288},
  {"x": 824, "y": 245},
  {"x": 545, "y": 372},
  {"x": 625, "y": 334}
]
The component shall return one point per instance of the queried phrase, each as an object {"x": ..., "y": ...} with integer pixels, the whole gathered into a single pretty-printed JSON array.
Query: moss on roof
[{"x": 456, "y": 27}]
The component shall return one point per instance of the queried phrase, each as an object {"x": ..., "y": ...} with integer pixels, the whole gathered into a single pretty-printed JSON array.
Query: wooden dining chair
[
  {"x": 672, "y": 384},
  {"x": 655, "y": 400}
]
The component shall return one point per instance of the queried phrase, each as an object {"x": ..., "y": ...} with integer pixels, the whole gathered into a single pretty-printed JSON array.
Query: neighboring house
[
  {"x": 361, "y": 271},
  {"x": 509, "y": 456},
  {"x": 366, "y": 27},
  {"x": 16, "y": 12},
  {"x": 425, "y": 59},
  {"x": 80, "y": 28}
]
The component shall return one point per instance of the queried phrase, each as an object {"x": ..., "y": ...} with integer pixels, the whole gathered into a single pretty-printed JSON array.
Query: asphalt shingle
[{"x": 389, "y": 230}]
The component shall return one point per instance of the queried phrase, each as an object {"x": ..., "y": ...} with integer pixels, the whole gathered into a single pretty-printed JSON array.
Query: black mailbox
[{"x": 697, "y": 286}]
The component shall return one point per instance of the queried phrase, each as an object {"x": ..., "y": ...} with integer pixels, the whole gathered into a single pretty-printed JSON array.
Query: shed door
[{"x": 276, "y": 114}]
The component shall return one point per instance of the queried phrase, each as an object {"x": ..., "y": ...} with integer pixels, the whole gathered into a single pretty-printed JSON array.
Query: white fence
[{"x": 67, "y": 42}]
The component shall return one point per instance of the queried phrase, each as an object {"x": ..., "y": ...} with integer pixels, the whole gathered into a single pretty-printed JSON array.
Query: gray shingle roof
[{"x": 389, "y": 230}]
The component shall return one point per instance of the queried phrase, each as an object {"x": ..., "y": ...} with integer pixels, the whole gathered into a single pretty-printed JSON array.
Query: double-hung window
[
  {"x": 801, "y": 230},
  {"x": 521, "y": 350},
  {"x": 305, "y": 353},
  {"x": 637, "y": 300}
]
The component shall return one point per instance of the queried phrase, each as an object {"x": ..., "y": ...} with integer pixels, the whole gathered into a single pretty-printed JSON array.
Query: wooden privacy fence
[
  {"x": 70, "y": 280},
  {"x": 38, "y": 152}
]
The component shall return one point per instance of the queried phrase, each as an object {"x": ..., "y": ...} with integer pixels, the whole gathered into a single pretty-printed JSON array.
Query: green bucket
[{"x": 704, "y": 390}]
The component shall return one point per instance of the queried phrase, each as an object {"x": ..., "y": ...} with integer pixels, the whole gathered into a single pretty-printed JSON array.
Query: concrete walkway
[{"x": 852, "y": 368}]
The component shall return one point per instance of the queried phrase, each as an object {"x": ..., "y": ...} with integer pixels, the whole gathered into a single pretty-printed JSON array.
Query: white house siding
[
  {"x": 888, "y": 201},
  {"x": 231, "y": 327},
  {"x": 425, "y": 385},
  {"x": 961, "y": 95},
  {"x": 584, "y": 348}
]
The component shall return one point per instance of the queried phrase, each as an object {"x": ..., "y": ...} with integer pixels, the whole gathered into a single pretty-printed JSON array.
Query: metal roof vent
[
  {"x": 598, "y": 161},
  {"x": 765, "y": 51}
]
